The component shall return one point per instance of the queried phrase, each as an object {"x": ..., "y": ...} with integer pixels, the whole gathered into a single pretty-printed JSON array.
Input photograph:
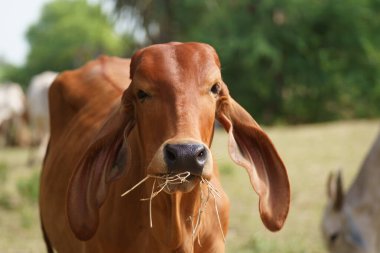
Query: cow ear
[
  {"x": 103, "y": 162},
  {"x": 250, "y": 147},
  {"x": 335, "y": 190}
]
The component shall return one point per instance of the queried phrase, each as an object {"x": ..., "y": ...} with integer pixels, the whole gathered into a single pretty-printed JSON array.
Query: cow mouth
[
  {"x": 180, "y": 182},
  {"x": 169, "y": 183}
]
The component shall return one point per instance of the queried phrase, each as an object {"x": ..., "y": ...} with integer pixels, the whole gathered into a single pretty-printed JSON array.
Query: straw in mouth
[{"x": 176, "y": 179}]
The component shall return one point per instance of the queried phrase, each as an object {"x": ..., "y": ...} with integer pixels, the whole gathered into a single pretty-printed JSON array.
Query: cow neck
[
  {"x": 173, "y": 215},
  {"x": 174, "y": 218}
]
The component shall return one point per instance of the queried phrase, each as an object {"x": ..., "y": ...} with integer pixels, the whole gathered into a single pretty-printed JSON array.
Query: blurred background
[{"x": 308, "y": 70}]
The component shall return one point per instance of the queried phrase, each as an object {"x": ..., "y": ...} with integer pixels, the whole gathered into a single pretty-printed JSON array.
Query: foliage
[
  {"x": 289, "y": 61},
  {"x": 166, "y": 20},
  {"x": 68, "y": 34},
  {"x": 293, "y": 61},
  {"x": 8, "y": 71}
]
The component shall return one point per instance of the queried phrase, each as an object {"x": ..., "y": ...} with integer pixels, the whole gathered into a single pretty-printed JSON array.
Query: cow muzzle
[
  {"x": 190, "y": 157},
  {"x": 176, "y": 157}
]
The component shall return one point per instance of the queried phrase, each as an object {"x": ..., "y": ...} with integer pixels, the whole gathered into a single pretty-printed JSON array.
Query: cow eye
[
  {"x": 142, "y": 95},
  {"x": 215, "y": 89}
]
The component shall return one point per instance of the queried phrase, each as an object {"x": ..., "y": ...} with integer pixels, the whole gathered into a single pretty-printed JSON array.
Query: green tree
[
  {"x": 166, "y": 20},
  {"x": 4, "y": 66},
  {"x": 284, "y": 60},
  {"x": 10, "y": 72},
  {"x": 68, "y": 34},
  {"x": 299, "y": 61}
]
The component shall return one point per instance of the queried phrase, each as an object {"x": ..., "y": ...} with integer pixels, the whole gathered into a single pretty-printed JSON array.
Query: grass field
[{"x": 310, "y": 152}]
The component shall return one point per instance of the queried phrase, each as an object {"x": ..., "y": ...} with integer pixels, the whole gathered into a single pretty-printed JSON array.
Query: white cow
[
  {"x": 12, "y": 109},
  {"x": 351, "y": 221},
  {"x": 38, "y": 110}
]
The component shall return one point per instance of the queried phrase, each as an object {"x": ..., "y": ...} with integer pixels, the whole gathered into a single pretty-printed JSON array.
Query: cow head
[
  {"x": 168, "y": 115},
  {"x": 174, "y": 92},
  {"x": 345, "y": 227}
]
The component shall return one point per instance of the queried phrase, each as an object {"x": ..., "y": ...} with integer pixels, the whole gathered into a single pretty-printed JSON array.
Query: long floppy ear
[
  {"x": 335, "y": 190},
  {"x": 250, "y": 147},
  {"x": 102, "y": 163}
]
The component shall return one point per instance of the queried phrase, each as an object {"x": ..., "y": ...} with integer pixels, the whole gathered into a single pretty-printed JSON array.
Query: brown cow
[{"x": 104, "y": 141}]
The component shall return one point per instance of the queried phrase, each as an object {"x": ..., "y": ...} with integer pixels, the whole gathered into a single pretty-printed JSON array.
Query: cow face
[{"x": 174, "y": 92}]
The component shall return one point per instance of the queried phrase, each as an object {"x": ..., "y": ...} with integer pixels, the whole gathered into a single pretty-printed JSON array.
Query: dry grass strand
[{"x": 170, "y": 179}]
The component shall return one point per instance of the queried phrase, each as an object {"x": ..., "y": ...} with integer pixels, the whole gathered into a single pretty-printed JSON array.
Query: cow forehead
[{"x": 177, "y": 63}]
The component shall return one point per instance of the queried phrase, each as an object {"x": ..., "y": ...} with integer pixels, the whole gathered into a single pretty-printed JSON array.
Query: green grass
[
  {"x": 19, "y": 218},
  {"x": 310, "y": 152},
  {"x": 28, "y": 187}
]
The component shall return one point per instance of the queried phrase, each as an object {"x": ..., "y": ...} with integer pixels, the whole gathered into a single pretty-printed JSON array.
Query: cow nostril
[
  {"x": 201, "y": 155},
  {"x": 170, "y": 155}
]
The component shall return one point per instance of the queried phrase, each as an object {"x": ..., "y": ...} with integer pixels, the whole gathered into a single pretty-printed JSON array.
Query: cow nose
[{"x": 185, "y": 157}]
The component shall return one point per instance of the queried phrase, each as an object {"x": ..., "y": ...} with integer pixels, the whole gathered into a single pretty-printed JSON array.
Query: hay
[
  {"x": 170, "y": 179},
  {"x": 213, "y": 191},
  {"x": 202, "y": 208}
]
